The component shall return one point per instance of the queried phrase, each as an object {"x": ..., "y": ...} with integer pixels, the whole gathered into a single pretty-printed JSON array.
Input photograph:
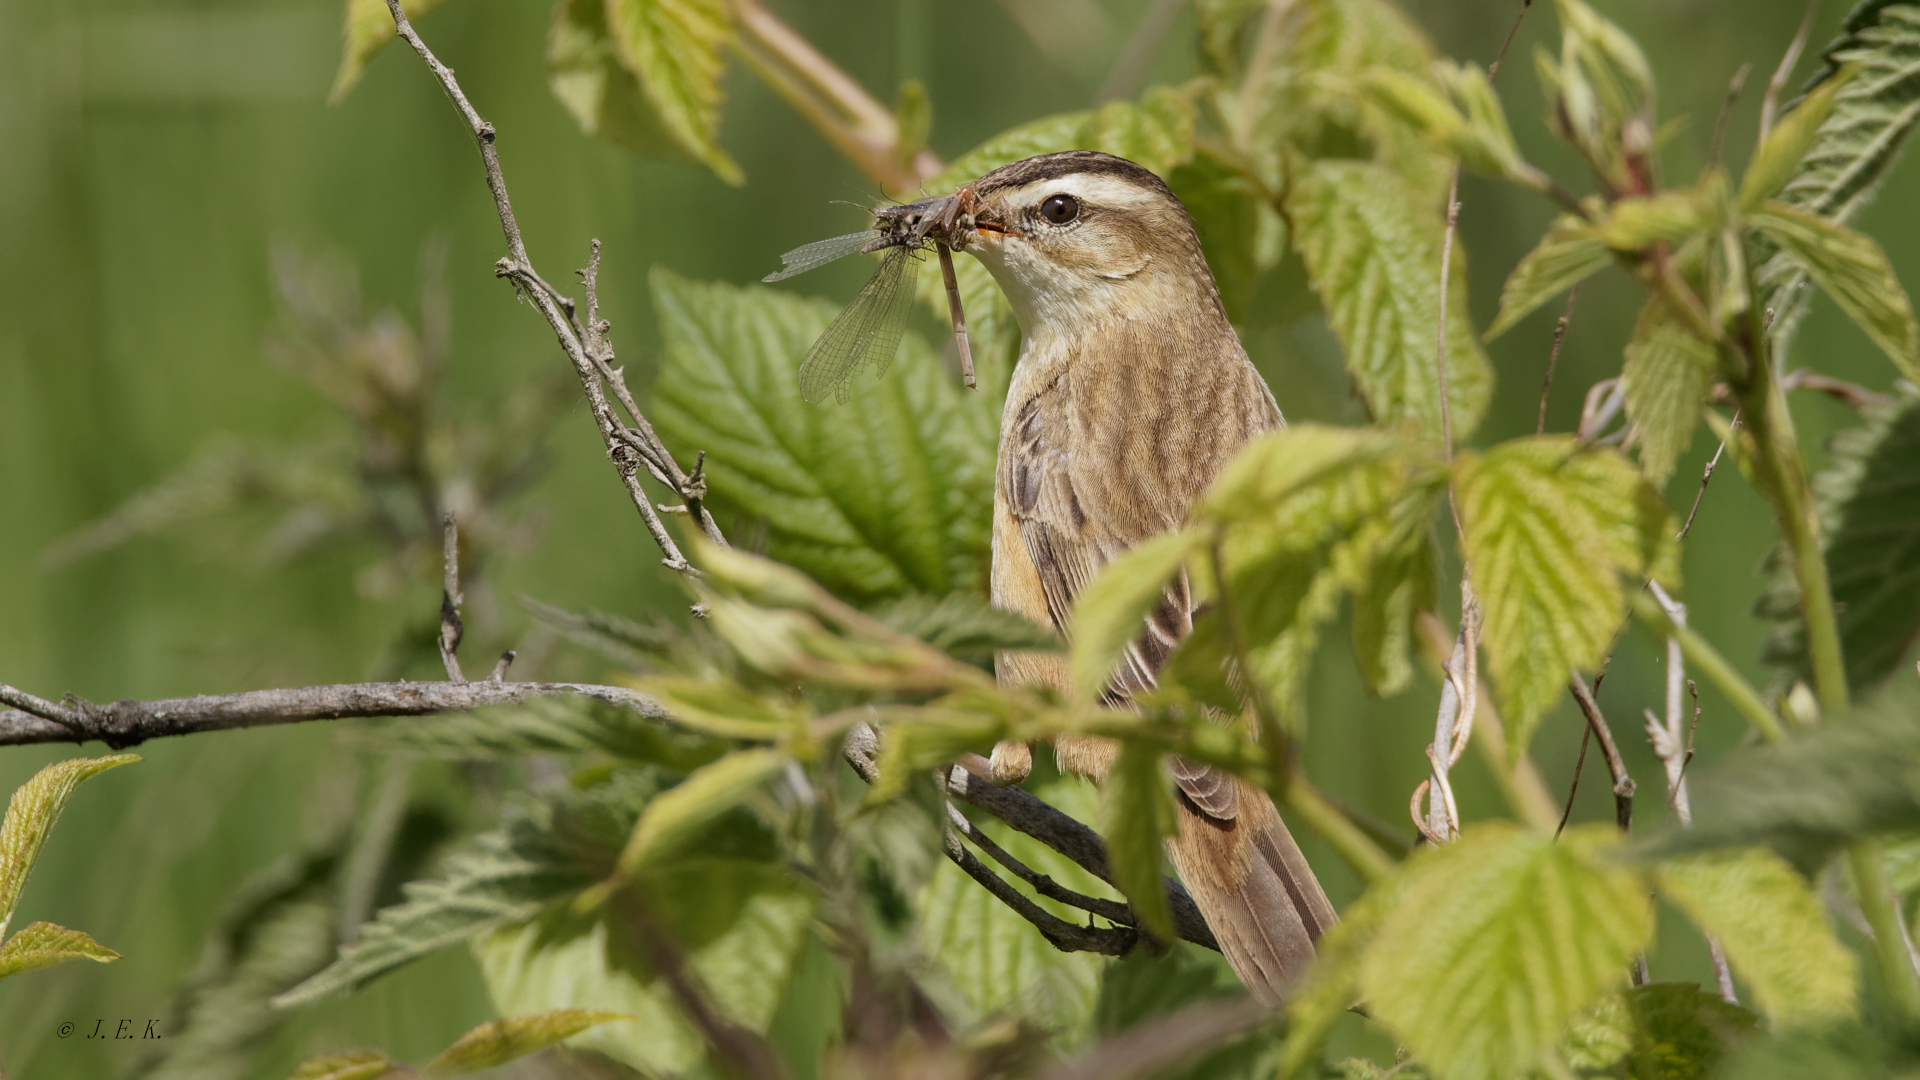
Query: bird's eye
[{"x": 1060, "y": 209}]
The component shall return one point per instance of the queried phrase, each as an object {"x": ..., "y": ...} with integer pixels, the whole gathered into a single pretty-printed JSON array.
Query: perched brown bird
[{"x": 1131, "y": 393}]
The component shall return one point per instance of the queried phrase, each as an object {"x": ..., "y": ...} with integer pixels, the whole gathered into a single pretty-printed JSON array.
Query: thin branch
[
  {"x": 451, "y": 628},
  {"x": 1573, "y": 787},
  {"x": 557, "y": 309},
  {"x": 1553, "y": 358},
  {"x": 127, "y": 723},
  {"x": 1623, "y": 785},
  {"x": 1853, "y": 395},
  {"x": 1726, "y": 114},
  {"x": 1706, "y": 476}
]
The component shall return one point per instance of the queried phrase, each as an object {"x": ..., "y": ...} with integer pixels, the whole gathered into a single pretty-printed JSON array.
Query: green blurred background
[{"x": 154, "y": 153}]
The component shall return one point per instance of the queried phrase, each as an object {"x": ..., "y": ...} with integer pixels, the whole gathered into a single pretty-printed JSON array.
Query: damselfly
[{"x": 867, "y": 334}]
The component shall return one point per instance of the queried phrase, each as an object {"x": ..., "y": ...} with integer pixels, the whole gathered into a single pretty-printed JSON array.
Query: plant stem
[
  {"x": 1883, "y": 914},
  {"x": 1350, "y": 841},
  {"x": 1707, "y": 660}
]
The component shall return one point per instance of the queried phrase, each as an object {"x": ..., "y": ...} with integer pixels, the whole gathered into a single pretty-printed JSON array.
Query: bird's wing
[{"x": 1070, "y": 531}]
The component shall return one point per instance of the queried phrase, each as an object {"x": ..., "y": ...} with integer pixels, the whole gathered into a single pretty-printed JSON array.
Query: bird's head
[{"x": 1080, "y": 239}]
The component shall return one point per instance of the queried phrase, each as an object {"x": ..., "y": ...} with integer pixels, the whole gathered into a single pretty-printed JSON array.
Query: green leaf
[
  {"x": 678, "y": 813},
  {"x": 1666, "y": 377},
  {"x": 1310, "y": 512},
  {"x": 1600, "y": 94},
  {"x": 542, "y": 852},
  {"x": 1872, "y": 115},
  {"x": 1843, "y": 1052},
  {"x": 1660, "y": 1031},
  {"x": 1136, "y": 817},
  {"x": 888, "y": 494},
  {"x": 1848, "y": 779},
  {"x": 1372, "y": 249},
  {"x": 43, "y": 944},
  {"x": 965, "y": 626},
  {"x": 741, "y": 926},
  {"x": 1869, "y": 502},
  {"x": 1243, "y": 235},
  {"x": 1331, "y": 984},
  {"x": 1853, "y": 269},
  {"x": 996, "y": 960},
  {"x": 1550, "y": 529},
  {"x": 1399, "y": 584},
  {"x": 35, "y": 806},
  {"x": 1570, "y": 253},
  {"x": 352, "y": 1065},
  {"x": 1111, "y": 611},
  {"x": 1773, "y": 929},
  {"x": 497, "y": 1042},
  {"x": 1047, "y": 135},
  {"x": 1156, "y": 133},
  {"x": 1222, "y": 26},
  {"x": 1498, "y": 941},
  {"x": 1466, "y": 119},
  {"x": 1777, "y": 159},
  {"x": 1670, "y": 217},
  {"x": 587, "y": 74},
  {"x": 673, "y": 48},
  {"x": 369, "y": 27}
]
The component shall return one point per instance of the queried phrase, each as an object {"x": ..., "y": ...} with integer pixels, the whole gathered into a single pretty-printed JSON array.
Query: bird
[{"x": 1130, "y": 394}]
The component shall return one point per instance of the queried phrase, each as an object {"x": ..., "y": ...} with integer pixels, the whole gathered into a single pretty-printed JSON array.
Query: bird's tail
[{"x": 1255, "y": 888}]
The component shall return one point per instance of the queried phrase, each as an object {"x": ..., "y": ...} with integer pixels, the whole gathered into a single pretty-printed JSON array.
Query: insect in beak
[{"x": 868, "y": 332}]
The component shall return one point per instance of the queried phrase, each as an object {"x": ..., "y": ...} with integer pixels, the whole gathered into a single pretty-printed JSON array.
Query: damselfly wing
[{"x": 867, "y": 334}]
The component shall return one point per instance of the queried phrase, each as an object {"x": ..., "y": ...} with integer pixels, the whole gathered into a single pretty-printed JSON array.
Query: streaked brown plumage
[{"x": 1131, "y": 393}]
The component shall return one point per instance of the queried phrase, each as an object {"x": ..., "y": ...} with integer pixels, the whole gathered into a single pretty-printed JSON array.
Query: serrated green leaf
[
  {"x": 679, "y": 812},
  {"x": 1136, "y": 817},
  {"x": 542, "y": 852},
  {"x": 1331, "y": 984},
  {"x": 1047, "y": 135},
  {"x": 1871, "y": 116},
  {"x": 35, "y": 806},
  {"x": 497, "y": 1042},
  {"x": 1805, "y": 799},
  {"x": 721, "y": 706},
  {"x": 352, "y": 1065},
  {"x": 1660, "y": 1031},
  {"x": 1498, "y": 941},
  {"x": 1570, "y": 253},
  {"x": 1464, "y": 119},
  {"x": 965, "y": 626},
  {"x": 1156, "y": 133},
  {"x": 1550, "y": 529},
  {"x": 587, "y": 74},
  {"x": 1242, "y": 234},
  {"x": 1372, "y": 249},
  {"x": 1869, "y": 502},
  {"x": 1400, "y": 583},
  {"x": 1777, "y": 159},
  {"x": 369, "y": 26},
  {"x": 1600, "y": 93},
  {"x": 1853, "y": 269},
  {"x": 1773, "y": 928},
  {"x": 43, "y": 944},
  {"x": 996, "y": 960},
  {"x": 1112, "y": 610},
  {"x": 741, "y": 926},
  {"x": 673, "y": 48},
  {"x": 1222, "y": 24},
  {"x": 1670, "y": 217},
  {"x": 1312, "y": 512},
  {"x": 1666, "y": 378},
  {"x": 887, "y": 494}
]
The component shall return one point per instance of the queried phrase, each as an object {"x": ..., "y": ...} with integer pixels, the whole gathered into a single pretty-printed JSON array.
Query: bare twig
[
  {"x": 1573, "y": 787},
  {"x": 1771, "y": 102},
  {"x": 451, "y": 628},
  {"x": 500, "y": 667},
  {"x": 1623, "y": 785},
  {"x": 1553, "y": 358},
  {"x": 1176, "y": 1038},
  {"x": 1706, "y": 476},
  {"x": 1853, "y": 395},
  {"x": 558, "y": 309},
  {"x": 1674, "y": 754},
  {"x": 126, "y": 723}
]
